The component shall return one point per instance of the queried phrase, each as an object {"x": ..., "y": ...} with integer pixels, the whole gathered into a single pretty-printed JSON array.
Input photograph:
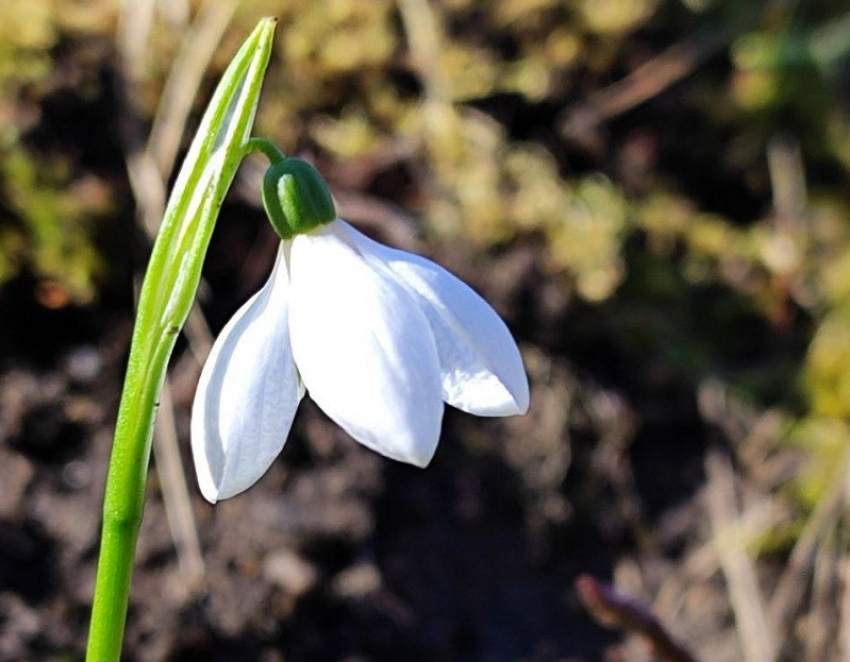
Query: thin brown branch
[
  {"x": 647, "y": 81},
  {"x": 615, "y": 611}
]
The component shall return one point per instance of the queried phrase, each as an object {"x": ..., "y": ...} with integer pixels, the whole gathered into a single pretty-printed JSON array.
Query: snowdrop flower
[{"x": 378, "y": 337}]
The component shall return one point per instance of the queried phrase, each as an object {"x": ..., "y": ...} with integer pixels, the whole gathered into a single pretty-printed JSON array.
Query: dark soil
[
  {"x": 340, "y": 555},
  {"x": 337, "y": 554}
]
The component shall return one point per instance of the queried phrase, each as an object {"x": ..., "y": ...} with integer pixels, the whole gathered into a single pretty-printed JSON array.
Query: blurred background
[{"x": 655, "y": 196}]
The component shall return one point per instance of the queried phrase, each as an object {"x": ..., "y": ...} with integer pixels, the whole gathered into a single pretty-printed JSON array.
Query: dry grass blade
[
  {"x": 844, "y": 579},
  {"x": 792, "y": 585},
  {"x": 178, "y": 506},
  {"x": 134, "y": 28},
  {"x": 787, "y": 180},
  {"x": 423, "y": 26},
  {"x": 844, "y": 610},
  {"x": 821, "y": 625},
  {"x": 757, "y": 639},
  {"x": 424, "y": 35},
  {"x": 185, "y": 77}
]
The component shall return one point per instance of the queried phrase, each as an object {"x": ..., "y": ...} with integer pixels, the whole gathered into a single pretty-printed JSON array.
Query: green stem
[
  {"x": 167, "y": 295},
  {"x": 124, "y": 500},
  {"x": 272, "y": 151}
]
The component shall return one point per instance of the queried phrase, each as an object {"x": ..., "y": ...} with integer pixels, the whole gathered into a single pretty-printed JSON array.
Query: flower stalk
[
  {"x": 381, "y": 339},
  {"x": 167, "y": 294}
]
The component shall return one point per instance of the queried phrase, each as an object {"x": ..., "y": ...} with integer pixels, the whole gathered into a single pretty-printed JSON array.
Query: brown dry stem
[{"x": 615, "y": 611}]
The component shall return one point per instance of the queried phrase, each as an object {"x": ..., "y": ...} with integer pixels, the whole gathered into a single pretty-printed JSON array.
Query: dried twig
[
  {"x": 757, "y": 638},
  {"x": 616, "y": 611},
  {"x": 647, "y": 81}
]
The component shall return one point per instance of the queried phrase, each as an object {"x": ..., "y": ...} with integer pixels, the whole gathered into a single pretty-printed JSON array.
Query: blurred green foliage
[
  {"x": 710, "y": 224},
  {"x": 48, "y": 206}
]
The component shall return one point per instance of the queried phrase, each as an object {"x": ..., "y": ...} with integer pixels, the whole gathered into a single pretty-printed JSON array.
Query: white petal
[
  {"x": 363, "y": 349},
  {"x": 482, "y": 370},
  {"x": 248, "y": 393}
]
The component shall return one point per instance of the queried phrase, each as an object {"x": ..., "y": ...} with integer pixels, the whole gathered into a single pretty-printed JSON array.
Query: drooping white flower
[{"x": 378, "y": 337}]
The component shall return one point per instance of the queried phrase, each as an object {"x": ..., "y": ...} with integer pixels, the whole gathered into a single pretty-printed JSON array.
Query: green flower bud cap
[{"x": 296, "y": 198}]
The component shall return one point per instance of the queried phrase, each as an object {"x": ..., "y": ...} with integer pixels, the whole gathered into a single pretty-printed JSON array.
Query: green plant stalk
[{"x": 167, "y": 294}]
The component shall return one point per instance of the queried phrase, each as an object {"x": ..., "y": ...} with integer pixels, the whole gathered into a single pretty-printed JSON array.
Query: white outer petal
[
  {"x": 363, "y": 349},
  {"x": 482, "y": 370},
  {"x": 247, "y": 394}
]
